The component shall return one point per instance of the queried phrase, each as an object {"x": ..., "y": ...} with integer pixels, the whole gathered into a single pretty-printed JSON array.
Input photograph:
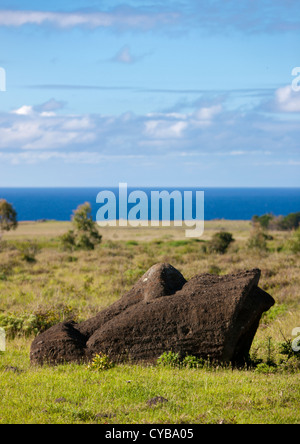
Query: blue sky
[{"x": 163, "y": 93}]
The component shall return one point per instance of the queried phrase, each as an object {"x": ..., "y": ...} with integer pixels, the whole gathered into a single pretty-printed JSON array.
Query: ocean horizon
[{"x": 33, "y": 204}]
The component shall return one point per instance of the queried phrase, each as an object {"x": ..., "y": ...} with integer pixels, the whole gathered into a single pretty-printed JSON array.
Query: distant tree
[
  {"x": 263, "y": 221},
  {"x": 290, "y": 222},
  {"x": 269, "y": 221},
  {"x": 82, "y": 218},
  {"x": 85, "y": 234},
  {"x": 8, "y": 217}
]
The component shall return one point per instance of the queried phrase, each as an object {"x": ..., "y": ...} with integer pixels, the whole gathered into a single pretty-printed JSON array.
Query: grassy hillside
[{"x": 40, "y": 284}]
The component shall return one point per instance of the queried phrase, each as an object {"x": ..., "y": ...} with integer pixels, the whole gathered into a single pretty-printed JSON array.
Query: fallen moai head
[{"x": 215, "y": 316}]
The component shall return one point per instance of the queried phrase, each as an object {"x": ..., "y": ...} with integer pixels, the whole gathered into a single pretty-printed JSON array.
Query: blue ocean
[{"x": 58, "y": 204}]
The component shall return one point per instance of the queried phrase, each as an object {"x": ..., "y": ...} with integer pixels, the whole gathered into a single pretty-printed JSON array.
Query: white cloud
[
  {"x": 208, "y": 113},
  {"x": 280, "y": 163},
  {"x": 202, "y": 132},
  {"x": 211, "y": 16},
  {"x": 45, "y": 109},
  {"x": 18, "y": 133},
  {"x": 287, "y": 100},
  {"x": 80, "y": 157},
  {"x": 24, "y": 110},
  {"x": 48, "y": 114},
  {"x": 120, "y": 18},
  {"x": 165, "y": 129},
  {"x": 78, "y": 123},
  {"x": 30, "y": 130},
  {"x": 176, "y": 125},
  {"x": 204, "y": 116},
  {"x": 214, "y": 17}
]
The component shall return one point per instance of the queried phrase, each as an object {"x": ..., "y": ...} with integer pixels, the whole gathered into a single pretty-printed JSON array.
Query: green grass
[
  {"x": 59, "y": 285},
  {"x": 73, "y": 394}
]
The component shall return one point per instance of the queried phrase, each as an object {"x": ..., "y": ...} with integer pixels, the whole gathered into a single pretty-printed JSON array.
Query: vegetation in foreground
[{"x": 41, "y": 284}]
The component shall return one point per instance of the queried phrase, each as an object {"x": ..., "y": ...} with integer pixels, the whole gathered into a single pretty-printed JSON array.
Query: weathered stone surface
[
  {"x": 215, "y": 316},
  {"x": 61, "y": 343}
]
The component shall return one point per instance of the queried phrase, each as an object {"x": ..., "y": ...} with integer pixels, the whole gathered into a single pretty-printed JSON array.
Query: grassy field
[{"x": 40, "y": 284}]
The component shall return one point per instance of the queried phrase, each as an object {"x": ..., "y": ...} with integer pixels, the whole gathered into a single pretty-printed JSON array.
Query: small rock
[
  {"x": 9, "y": 368},
  {"x": 157, "y": 400},
  {"x": 106, "y": 415},
  {"x": 59, "y": 400}
]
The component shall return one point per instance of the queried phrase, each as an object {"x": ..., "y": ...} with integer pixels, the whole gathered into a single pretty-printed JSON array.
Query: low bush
[
  {"x": 220, "y": 242},
  {"x": 258, "y": 240},
  {"x": 172, "y": 359},
  {"x": 34, "y": 323},
  {"x": 100, "y": 362},
  {"x": 169, "y": 359},
  {"x": 265, "y": 368},
  {"x": 68, "y": 241},
  {"x": 294, "y": 243},
  {"x": 275, "y": 357},
  {"x": 28, "y": 250}
]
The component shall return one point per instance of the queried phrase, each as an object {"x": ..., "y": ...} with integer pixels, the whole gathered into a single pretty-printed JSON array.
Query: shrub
[
  {"x": 34, "y": 323},
  {"x": 258, "y": 240},
  {"x": 220, "y": 242},
  {"x": 265, "y": 368},
  {"x": 169, "y": 359},
  {"x": 12, "y": 324},
  {"x": 294, "y": 242},
  {"x": 68, "y": 241},
  {"x": 28, "y": 250},
  {"x": 192, "y": 362},
  {"x": 172, "y": 359},
  {"x": 286, "y": 349},
  {"x": 85, "y": 242},
  {"x": 100, "y": 362},
  {"x": 46, "y": 318}
]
